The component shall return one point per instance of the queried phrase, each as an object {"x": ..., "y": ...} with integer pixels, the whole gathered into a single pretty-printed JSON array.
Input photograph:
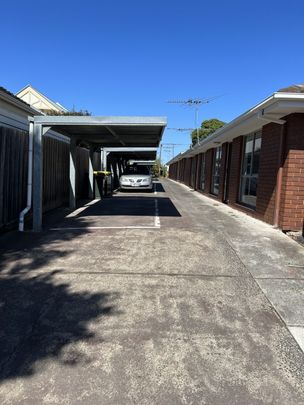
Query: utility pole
[
  {"x": 170, "y": 147},
  {"x": 160, "y": 152},
  {"x": 160, "y": 156},
  {"x": 196, "y": 103}
]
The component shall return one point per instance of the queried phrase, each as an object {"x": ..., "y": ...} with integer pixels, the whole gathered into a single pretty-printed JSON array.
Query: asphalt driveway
[{"x": 151, "y": 298}]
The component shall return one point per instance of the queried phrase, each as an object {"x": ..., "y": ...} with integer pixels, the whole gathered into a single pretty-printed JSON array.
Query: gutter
[{"x": 29, "y": 179}]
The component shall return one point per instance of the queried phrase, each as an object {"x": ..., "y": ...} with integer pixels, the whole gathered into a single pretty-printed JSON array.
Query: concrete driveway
[{"x": 160, "y": 298}]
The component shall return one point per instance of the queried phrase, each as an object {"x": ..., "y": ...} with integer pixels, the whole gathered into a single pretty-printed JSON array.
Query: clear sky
[{"x": 129, "y": 57}]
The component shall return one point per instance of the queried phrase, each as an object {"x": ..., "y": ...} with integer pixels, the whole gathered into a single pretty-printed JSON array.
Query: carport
[
  {"x": 115, "y": 159},
  {"x": 120, "y": 137}
]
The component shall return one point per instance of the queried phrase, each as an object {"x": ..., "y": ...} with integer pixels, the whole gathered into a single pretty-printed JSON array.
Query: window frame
[
  {"x": 244, "y": 177},
  {"x": 216, "y": 169},
  {"x": 203, "y": 172}
]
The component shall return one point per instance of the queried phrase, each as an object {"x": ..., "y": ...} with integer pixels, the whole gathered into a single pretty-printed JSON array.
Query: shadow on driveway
[
  {"x": 128, "y": 205},
  {"x": 39, "y": 314}
]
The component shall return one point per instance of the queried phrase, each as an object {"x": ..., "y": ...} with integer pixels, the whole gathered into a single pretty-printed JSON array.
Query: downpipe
[{"x": 29, "y": 180}]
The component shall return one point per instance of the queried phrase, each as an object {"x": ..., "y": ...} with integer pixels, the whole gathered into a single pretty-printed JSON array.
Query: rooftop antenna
[{"x": 196, "y": 103}]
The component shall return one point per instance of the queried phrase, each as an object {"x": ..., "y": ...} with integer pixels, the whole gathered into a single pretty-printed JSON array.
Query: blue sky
[{"x": 130, "y": 57}]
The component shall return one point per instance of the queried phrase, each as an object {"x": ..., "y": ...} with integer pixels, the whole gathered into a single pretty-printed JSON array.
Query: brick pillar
[{"x": 292, "y": 195}]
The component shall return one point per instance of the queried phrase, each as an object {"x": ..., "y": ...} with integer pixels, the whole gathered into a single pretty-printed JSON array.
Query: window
[
  {"x": 136, "y": 170},
  {"x": 203, "y": 171},
  {"x": 193, "y": 171},
  {"x": 250, "y": 169},
  {"x": 215, "y": 186}
]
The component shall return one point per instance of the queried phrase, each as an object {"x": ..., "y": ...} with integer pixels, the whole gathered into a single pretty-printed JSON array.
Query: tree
[
  {"x": 159, "y": 169},
  {"x": 207, "y": 128},
  {"x": 83, "y": 113}
]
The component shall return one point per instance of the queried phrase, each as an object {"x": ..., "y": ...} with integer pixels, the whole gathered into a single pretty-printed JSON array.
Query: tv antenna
[{"x": 196, "y": 103}]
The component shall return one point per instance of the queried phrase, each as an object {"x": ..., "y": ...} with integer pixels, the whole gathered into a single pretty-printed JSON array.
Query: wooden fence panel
[
  {"x": 13, "y": 174},
  {"x": 55, "y": 173}
]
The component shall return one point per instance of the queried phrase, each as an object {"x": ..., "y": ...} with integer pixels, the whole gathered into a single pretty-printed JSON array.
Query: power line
[
  {"x": 169, "y": 147},
  {"x": 181, "y": 129}
]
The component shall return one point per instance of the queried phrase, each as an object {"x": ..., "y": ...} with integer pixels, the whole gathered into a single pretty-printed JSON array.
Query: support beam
[
  {"x": 37, "y": 178},
  {"x": 45, "y": 130},
  {"x": 91, "y": 172},
  {"x": 117, "y": 137},
  {"x": 103, "y": 159},
  {"x": 99, "y": 160},
  {"x": 73, "y": 173},
  {"x": 131, "y": 149}
]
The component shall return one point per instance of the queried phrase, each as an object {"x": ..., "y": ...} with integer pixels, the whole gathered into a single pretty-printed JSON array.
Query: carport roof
[
  {"x": 134, "y": 153},
  {"x": 110, "y": 131}
]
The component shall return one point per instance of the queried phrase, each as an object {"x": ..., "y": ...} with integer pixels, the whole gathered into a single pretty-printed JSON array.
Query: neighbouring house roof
[
  {"x": 272, "y": 109},
  {"x": 4, "y": 90},
  {"x": 10, "y": 98},
  {"x": 295, "y": 88},
  {"x": 38, "y": 99}
]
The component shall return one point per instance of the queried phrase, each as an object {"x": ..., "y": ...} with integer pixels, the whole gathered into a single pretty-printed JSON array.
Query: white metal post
[
  {"x": 103, "y": 159},
  {"x": 37, "y": 178},
  {"x": 73, "y": 173},
  {"x": 91, "y": 172}
]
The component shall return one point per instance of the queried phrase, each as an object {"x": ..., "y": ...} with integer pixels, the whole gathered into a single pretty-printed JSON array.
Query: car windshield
[{"x": 137, "y": 170}]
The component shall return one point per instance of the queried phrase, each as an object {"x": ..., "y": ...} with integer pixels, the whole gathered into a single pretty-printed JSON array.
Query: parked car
[{"x": 136, "y": 177}]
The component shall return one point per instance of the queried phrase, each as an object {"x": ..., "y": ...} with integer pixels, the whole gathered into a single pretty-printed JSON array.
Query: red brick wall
[
  {"x": 292, "y": 200},
  {"x": 269, "y": 164}
]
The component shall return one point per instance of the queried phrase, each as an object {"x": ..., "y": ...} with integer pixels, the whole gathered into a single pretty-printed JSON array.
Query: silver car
[{"x": 136, "y": 178}]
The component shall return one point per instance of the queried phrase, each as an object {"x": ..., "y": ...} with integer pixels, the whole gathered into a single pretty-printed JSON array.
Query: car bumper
[{"x": 137, "y": 187}]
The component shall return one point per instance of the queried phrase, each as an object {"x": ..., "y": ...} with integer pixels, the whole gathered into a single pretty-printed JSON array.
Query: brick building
[{"x": 255, "y": 163}]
